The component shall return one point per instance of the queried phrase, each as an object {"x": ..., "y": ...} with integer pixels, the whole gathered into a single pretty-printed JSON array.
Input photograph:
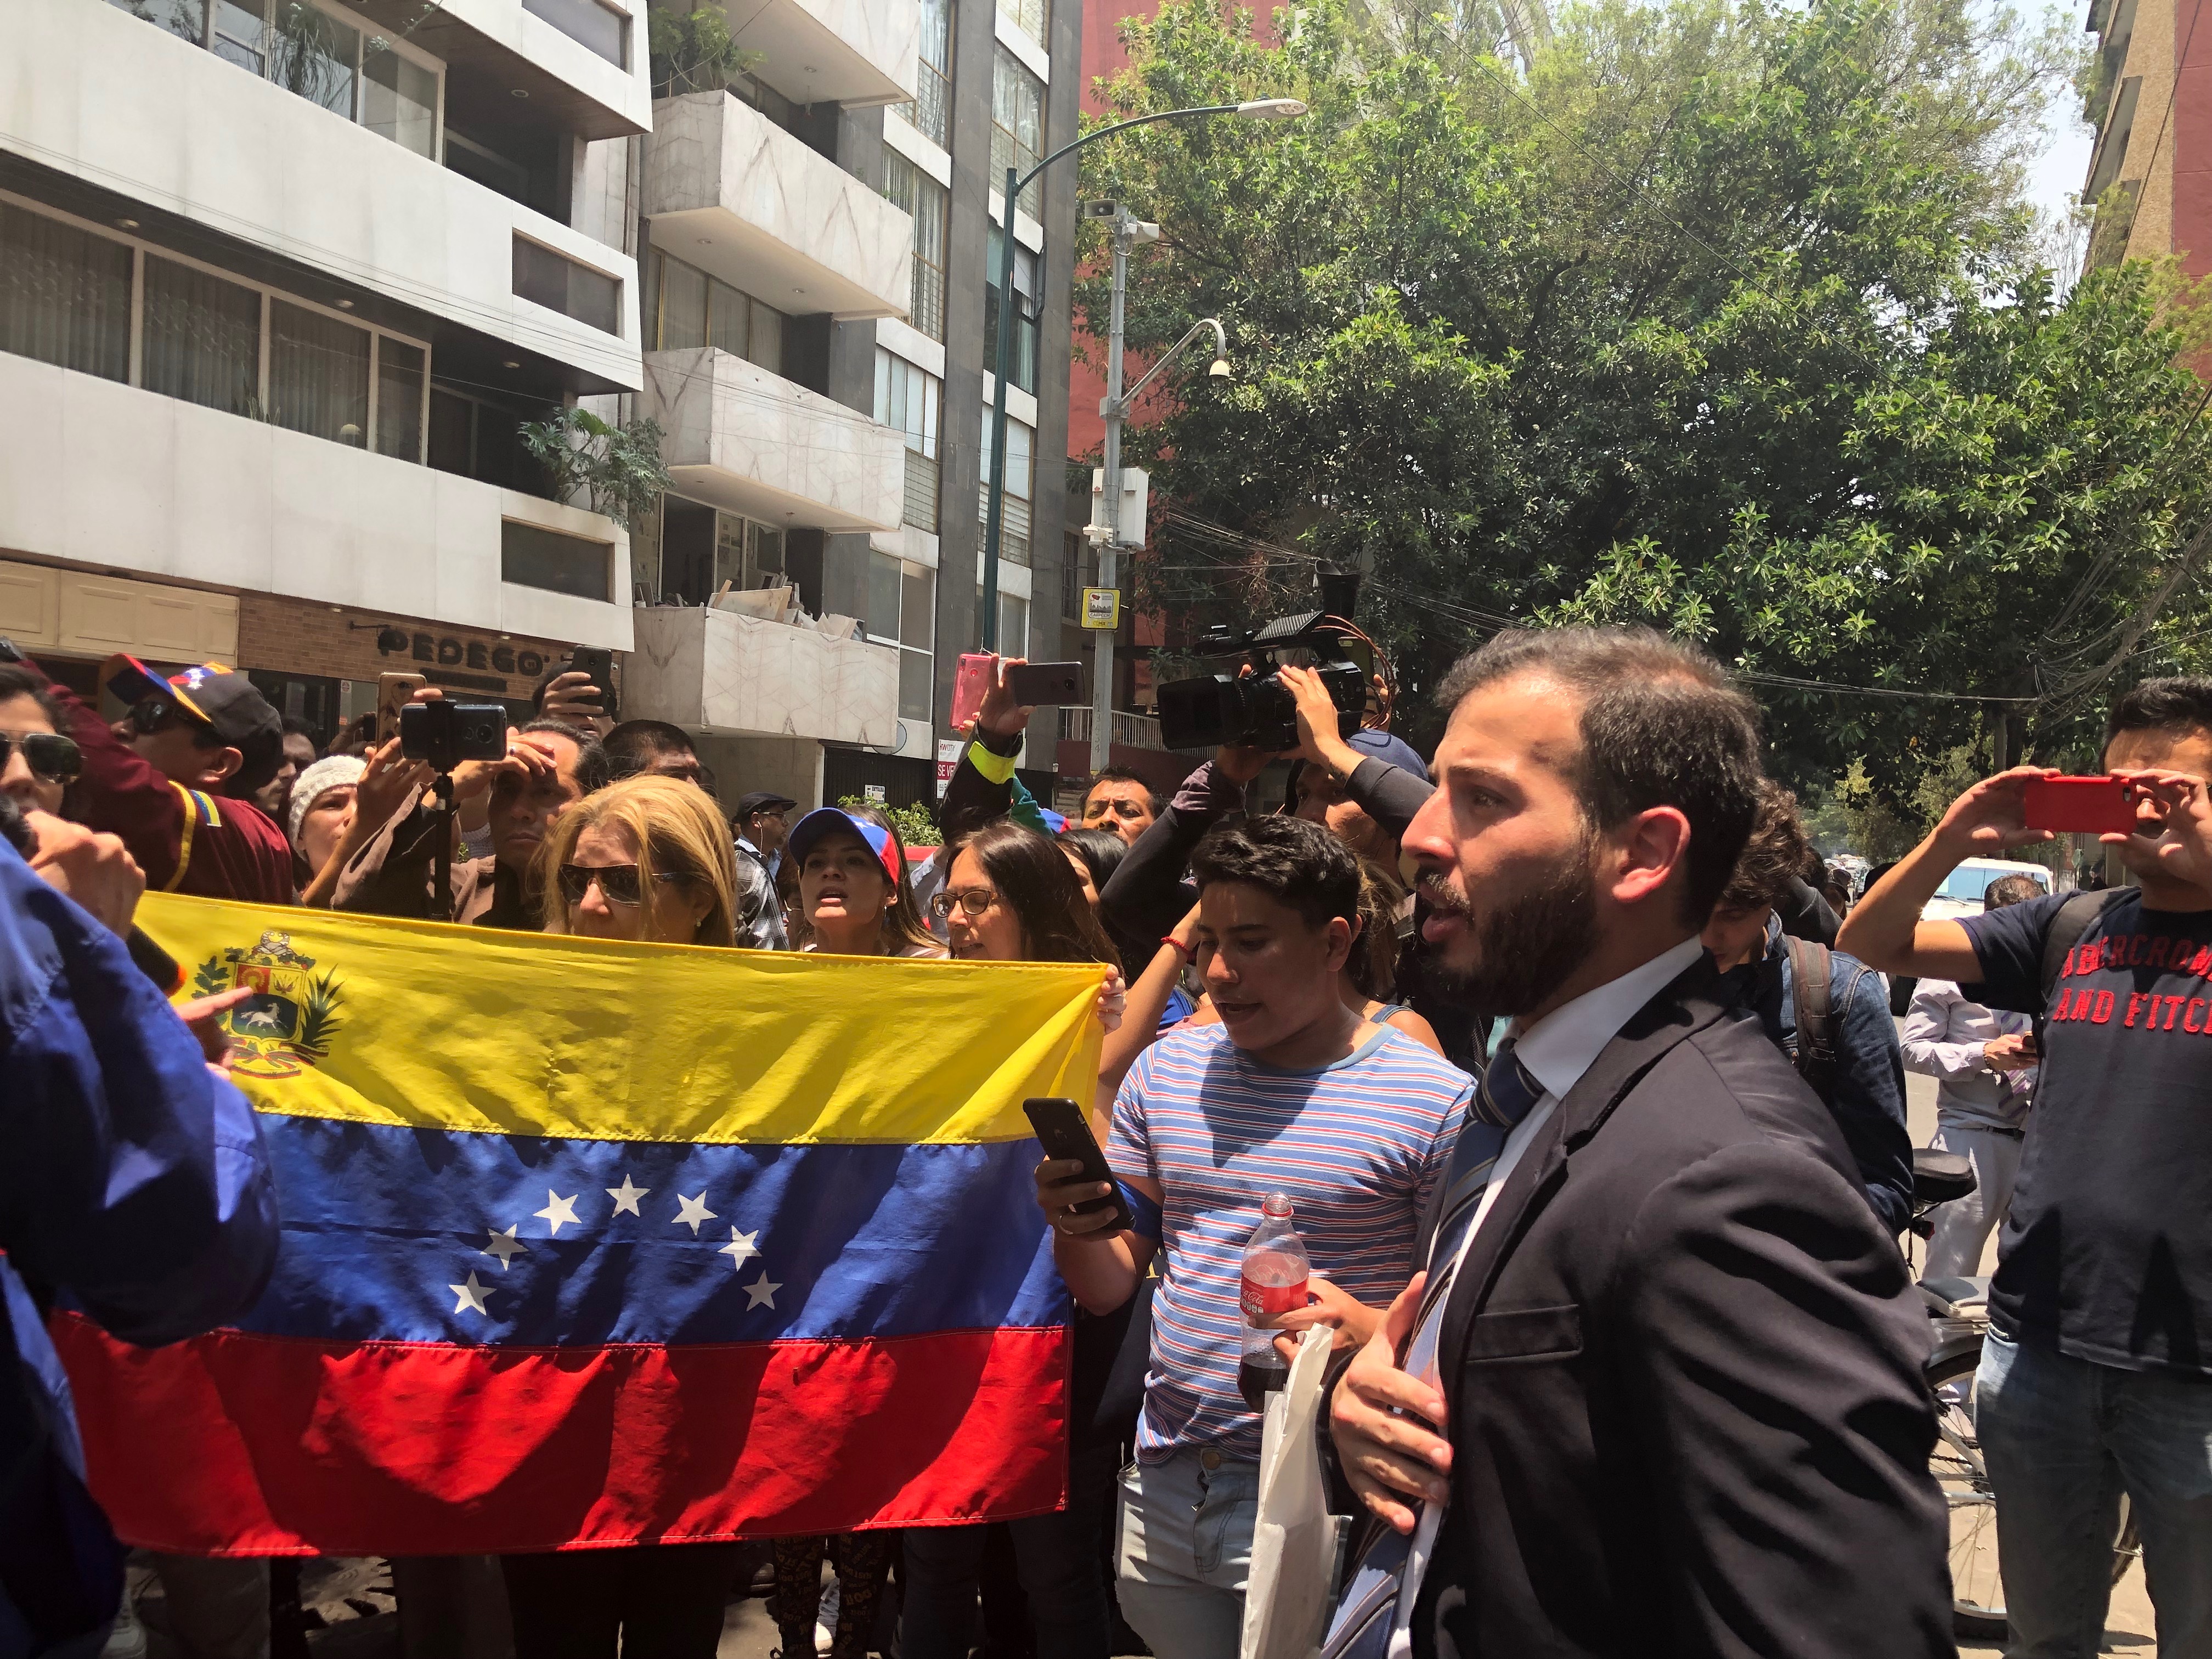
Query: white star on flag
[
  {"x": 504, "y": 1245},
  {"x": 557, "y": 1210},
  {"x": 760, "y": 1293},
  {"x": 690, "y": 1211},
  {"x": 740, "y": 1247},
  {"x": 470, "y": 1298},
  {"x": 626, "y": 1196}
]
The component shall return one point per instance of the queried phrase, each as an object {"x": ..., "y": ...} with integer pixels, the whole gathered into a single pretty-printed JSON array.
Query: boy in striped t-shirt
[{"x": 1293, "y": 1092}]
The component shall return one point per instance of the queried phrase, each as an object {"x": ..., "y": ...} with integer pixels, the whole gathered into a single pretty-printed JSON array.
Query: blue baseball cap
[
  {"x": 828, "y": 820},
  {"x": 1386, "y": 747}
]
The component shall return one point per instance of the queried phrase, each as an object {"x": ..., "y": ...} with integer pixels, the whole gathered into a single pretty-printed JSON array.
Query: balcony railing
[{"x": 1131, "y": 731}]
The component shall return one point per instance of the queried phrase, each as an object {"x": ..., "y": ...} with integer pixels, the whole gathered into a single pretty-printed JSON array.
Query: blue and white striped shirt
[{"x": 1356, "y": 1146}]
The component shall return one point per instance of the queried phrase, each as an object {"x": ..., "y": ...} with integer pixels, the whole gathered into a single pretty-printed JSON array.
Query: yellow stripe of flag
[{"x": 426, "y": 1025}]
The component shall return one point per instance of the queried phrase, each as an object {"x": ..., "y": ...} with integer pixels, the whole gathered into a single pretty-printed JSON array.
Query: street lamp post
[{"x": 1257, "y": 109}]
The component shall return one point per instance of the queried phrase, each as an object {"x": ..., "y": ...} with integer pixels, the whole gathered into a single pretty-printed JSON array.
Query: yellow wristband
[{"x": 1000, "y": 768}]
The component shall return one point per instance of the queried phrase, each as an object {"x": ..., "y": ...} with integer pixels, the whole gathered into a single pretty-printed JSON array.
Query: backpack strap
[
  {"x": 2067, "y": 927},
  {"x": 1811, "y": 995}
]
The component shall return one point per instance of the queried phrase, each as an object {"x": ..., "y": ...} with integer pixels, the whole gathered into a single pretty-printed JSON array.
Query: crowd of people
[{"x": 1588, "y": 1099}]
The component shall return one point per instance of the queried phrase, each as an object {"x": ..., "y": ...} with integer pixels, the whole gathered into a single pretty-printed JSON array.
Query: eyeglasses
[
  {"x": 50, "y": 755},
  {"x": 152, "y": 714},
  {"x": 618, "y": 882},
  {"x": 974, "y": 900}
]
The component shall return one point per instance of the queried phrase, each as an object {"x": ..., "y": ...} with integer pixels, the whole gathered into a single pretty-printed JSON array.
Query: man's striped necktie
[{"x": 1507, "y": 1094}]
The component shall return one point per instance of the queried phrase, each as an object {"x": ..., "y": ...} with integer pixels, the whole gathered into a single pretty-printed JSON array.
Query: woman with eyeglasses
[
  {"x": 644, "y": 859},
  {"x": 37, "y": 763},
  {"x": 1011, "y": 895}
]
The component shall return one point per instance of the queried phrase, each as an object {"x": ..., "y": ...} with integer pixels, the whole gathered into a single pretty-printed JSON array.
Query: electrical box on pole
[{"x": 1126, "y": 528}]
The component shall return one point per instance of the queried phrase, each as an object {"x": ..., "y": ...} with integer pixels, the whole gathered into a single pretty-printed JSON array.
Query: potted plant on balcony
[{"x": 617, "y": 469}]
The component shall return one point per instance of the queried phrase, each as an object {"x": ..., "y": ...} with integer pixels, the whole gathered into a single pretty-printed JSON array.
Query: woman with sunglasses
[
  {"x": 1011, "y": 895},
  {"x": 646, "y": 859},
  {"x": 37, "y": 764}
]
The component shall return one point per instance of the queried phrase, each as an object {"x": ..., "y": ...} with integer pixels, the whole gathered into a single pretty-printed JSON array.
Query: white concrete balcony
[
  {"x": 108, "y": 475},
  {"x": 91, "y": 91},
  {"x": 702, "y": 668},
  {"x": 739, "y": 196},
  {"x": 835, "y": 51},
  {"x": 736, "y": 436},
  {"x": 522, "y": 43}
]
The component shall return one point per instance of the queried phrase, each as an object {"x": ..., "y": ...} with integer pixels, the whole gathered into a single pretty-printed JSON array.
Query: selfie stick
[{"x": 441, "y": 848}]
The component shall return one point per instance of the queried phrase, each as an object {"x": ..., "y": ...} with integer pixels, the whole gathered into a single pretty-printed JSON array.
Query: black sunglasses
[
  {"x": 50, "y": 755},
  {"x": 618, "y": 881},
  {"x": 152, "y": 714}
]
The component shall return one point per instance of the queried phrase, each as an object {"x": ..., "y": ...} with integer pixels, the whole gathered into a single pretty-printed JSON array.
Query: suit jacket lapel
[{"x": 1683, "y": 1008}]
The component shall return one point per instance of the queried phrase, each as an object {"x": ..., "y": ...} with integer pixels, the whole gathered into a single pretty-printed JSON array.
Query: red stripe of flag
[{"x": 246, "y": 1444}]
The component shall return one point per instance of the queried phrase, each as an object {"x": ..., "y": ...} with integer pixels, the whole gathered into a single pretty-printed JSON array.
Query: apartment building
[
  {"x": 2150, "y": 101},
  {"x": 280, "y": 283},
  {"x": 820, "y": 247}
]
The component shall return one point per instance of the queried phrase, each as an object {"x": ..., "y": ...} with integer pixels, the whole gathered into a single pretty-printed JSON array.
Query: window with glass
[
  {"x": 1013, "y": 624},
  {"x": 908, "y": 400},
  {"x": 84, "y": 298},
  {"x": 928, "y": 204},
  {"x": 559, "y": 283},
  {"x": 531, "y": 555},
  {"x": 589, "y": 24},
  {"x": 1014, "y": 527},
  {"x": 1030, "y": 16},
  {"x": 691, "y": 309},
  {"x": 698, "y": 549},
  {"x": 312, "y": 50},
  {"x": 64, "y": 295},
  {"x": 1016, "y": 124},
  {"x": 931, "y": 112},
  {"x": 474, "y": 437},
  {"x": 900, "y": 607},
  {"x": 1022, "y": 345}
]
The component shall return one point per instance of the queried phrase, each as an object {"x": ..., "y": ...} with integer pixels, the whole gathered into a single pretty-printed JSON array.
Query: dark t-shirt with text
[{"x": 2106, "y": 1254}]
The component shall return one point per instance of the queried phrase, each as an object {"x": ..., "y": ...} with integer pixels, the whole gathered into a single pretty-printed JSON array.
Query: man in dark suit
[{"x": 1671, "y": 1363}]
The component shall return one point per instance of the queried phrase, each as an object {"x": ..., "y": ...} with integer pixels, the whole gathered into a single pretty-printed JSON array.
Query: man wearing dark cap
[
  {"x": 761, "y": 828},
  {"x": 173, "y": 778}
]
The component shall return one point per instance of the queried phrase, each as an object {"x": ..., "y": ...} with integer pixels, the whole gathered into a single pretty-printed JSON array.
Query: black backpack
[{"x": 1812, "y": 988}]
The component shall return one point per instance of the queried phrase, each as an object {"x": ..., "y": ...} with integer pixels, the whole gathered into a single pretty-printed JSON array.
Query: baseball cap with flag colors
[
  {"x": 220, "y": 698},
  {"x": 828, "y": 821}
]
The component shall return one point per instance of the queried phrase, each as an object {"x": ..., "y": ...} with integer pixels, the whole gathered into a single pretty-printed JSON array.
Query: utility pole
[{"x": 1127, "y": 231}]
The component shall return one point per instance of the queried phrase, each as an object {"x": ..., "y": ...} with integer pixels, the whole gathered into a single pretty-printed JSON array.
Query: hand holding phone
[
  {"x": 2098, "y": 807},
  {"x": 969, "y": 684},
  {"x": 1064, "y": 1133}
]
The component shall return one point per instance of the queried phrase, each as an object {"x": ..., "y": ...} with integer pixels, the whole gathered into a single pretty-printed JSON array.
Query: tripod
[{"x": 441, "y": 847}]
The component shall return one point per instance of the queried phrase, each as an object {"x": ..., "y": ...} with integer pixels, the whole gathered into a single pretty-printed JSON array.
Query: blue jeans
[
  {"x": 1186, "y": 1551},
  {"x": 2063, "y": 1438}
]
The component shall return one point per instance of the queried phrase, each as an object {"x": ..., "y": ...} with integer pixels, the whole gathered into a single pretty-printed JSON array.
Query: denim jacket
[{"x": 1868, "y": 1105}]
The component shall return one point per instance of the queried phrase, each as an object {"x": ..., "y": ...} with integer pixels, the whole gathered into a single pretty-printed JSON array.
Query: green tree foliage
[
  {"x": 617, "y": 469},
  {"x": 1718, "y": 316}
]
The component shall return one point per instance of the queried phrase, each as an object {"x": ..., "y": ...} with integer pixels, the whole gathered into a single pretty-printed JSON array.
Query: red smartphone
[
  {"x": 969, "y": 685},
  {"x": 2091, "y": 805}
]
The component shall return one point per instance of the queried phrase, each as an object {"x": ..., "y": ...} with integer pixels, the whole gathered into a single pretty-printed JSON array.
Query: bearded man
[{"x": 1657, "y": 1391}]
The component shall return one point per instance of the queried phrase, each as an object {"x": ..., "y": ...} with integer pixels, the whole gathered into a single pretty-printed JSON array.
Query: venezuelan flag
[{"x": 588, "y": 1244}]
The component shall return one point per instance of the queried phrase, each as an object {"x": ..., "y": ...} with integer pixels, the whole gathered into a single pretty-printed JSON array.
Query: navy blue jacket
[
  {"x": 1870, "y": 1095},
  {"x": 133, "y": 1184}
]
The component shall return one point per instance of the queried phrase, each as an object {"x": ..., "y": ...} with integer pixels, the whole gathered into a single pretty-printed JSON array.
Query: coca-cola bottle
[{"x": 1275, "y": 1274}]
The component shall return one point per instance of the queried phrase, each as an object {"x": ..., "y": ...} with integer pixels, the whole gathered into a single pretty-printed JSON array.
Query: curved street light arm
[{"x": 1220, "y": 349}]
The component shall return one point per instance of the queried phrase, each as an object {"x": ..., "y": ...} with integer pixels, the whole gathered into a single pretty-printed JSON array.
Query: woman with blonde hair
[{"x": 648, "y": 859}]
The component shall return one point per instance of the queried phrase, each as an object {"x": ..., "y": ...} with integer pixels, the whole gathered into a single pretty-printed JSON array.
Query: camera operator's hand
[
  {"x": 1319, "y": 741},
  {"x": 385, "y": 787},
  {"x": 999, "y": 713},
  {"x": 526, "y": 759},
  {"x": 1240, "y": 762},
  {"x": 573, "y": 697},
  {"x": 1991, "y": 817},
  {"x": 95, "y": 869}
]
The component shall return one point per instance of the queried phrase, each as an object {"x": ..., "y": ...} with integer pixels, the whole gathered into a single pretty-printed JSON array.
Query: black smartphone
[
  {"x": 1065, "y": 1132},
  {"x": 600, "y": 666},
  {"x": 1032, "y": 684}
]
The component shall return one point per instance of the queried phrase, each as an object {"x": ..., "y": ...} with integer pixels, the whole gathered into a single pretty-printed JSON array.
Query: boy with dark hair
[
  {"x": 1291, "y": 1092},
  {"x": 1829, "y": 1013},
  {"x": 2096, "y": 1378}
]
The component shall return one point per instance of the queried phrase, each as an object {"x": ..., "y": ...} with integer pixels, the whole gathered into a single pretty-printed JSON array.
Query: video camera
[
  {"x": 446, "y": 733},
  {"x": 1257, "y": 709}
]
